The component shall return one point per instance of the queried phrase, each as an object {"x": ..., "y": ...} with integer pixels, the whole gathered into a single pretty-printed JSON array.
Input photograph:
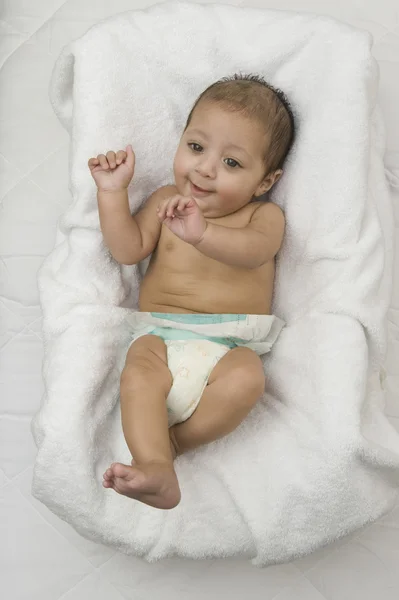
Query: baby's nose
[{"x": 206, "y": 168}]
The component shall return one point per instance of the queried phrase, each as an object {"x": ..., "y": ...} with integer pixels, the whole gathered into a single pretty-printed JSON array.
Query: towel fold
[{"x": 316, "y": 458}]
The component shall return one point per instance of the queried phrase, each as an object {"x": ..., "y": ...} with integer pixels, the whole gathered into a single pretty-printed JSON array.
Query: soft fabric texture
[
  {"x": 195, "y": 343},
  {"x": 317, "y": 458}
]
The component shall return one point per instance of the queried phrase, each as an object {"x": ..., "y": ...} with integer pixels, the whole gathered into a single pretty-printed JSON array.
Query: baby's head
[{"x": 233, "y": 147}]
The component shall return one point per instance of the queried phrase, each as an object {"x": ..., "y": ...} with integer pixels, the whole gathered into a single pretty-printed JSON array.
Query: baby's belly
[{"x": 163, "y": 291}]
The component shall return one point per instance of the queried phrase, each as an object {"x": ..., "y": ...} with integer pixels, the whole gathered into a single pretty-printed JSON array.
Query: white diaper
[
  {"x": 191, "y": 363},
  {"x": 195, "y": 344}
]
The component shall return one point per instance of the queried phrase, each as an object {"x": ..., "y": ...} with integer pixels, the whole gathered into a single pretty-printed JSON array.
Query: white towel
[{"x": 317, "y": 458}]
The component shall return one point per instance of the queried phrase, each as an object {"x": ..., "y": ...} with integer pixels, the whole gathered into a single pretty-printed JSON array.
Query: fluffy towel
[{"x": 317, "y": 458}]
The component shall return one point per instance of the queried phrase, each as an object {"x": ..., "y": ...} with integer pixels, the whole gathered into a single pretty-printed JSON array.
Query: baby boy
[{"x": 213, "y": 244}]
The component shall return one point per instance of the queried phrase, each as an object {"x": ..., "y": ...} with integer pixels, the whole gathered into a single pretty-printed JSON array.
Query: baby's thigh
[
  {"x": 242, "y": 368},
  {"x": 147, "y": 357}
]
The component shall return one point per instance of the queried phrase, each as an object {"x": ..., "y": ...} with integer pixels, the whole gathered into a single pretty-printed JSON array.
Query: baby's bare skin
[
  {"x": 180, "y": 279},
  {"x": 213, "y": 251},
  {"x": 154, "y": 484}
]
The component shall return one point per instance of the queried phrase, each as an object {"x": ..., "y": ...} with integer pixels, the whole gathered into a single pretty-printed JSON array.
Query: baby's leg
[
  {"x": 234, "y": 386},
  {"x": 145, "y": 385}
]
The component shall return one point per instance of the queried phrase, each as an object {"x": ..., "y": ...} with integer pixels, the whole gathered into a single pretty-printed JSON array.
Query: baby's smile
[{"x": 199, "y": 191}]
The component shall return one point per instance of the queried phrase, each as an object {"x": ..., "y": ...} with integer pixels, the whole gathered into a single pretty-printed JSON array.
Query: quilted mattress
[{"x": 41, "y": 557}]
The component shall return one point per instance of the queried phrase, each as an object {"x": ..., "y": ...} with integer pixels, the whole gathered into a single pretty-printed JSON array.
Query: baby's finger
[
  {"x": 103, "y": 161},
  {"x": 93, "y": 162},
  {"x": 111, "y": 159},
  {"x": 131, "y": 158},
  {"x": 182, "y": 203},
  {"x": 120, "y": 156},
  {"x": 161, "y": 211},
  {"x": 172, "y": 205}
]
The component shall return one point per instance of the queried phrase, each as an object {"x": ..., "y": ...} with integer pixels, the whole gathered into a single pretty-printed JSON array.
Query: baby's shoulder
[
  {"x": 267, "y": 207},
  {"x": 163, "y": 192},
  {"x": 267, "y": 216},
  {"x": 167, "y": 189},
  {"x": 267, "y": 210}
]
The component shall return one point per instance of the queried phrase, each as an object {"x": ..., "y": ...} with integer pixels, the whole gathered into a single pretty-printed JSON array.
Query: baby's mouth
[{"x": 195, "y": 189}]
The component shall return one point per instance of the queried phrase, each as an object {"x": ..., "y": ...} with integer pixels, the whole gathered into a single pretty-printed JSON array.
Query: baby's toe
[{"x": 121, "y": 471}]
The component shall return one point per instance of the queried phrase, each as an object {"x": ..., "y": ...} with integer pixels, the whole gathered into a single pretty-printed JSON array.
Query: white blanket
[{"x": 317, "y": 458}]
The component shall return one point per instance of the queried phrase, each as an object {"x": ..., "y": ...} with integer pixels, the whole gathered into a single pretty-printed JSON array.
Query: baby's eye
[
  {"x": 195, "y": 147},
  {"x": 230, "y": 162}
]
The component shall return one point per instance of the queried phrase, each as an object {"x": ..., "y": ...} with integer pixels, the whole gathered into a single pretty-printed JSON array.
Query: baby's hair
[{"x": 255, "y": 98}]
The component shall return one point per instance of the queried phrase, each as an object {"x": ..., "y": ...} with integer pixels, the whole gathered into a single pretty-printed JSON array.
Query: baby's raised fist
[{"x": 113, "y": 171}]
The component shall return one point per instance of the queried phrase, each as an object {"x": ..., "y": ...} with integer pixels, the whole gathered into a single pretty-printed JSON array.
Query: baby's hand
[
  {"x": 113, "y": 172},
  {"x": 183, "y": 216}
]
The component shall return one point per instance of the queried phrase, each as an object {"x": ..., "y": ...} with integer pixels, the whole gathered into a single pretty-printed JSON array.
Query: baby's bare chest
[{"x": 182, "y": 277}]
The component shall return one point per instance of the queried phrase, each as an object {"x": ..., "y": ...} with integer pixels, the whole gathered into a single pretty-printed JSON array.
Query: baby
[{"x": 209, "y": 281}]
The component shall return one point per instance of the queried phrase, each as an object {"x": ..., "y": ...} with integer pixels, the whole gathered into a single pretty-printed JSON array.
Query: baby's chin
[
  {"x": 207, "y": 207},
  {"x": 208, "y": 204},
  {"x": 210, "y": 212},
  {"x": 211, "y": 209}
]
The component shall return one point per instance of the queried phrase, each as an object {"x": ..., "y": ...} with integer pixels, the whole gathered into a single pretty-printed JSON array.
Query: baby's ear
[{"x": 268, "y": 182}]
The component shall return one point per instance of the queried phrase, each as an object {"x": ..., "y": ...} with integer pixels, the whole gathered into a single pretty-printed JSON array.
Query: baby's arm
[
  {"x": 129, "y": 239},
  {"x": 120, "y": 231},
  {"x": 248, "y": 247}
]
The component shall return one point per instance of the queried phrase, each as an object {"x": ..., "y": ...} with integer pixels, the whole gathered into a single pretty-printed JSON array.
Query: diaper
[{"x": 195, "y": 343}]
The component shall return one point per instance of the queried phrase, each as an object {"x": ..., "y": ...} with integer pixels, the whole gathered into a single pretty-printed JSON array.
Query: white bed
[{"x": 41, "y": 556}]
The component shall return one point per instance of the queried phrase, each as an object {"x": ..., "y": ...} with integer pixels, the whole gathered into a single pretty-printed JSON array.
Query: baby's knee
[{"x": 249, "y": 375}]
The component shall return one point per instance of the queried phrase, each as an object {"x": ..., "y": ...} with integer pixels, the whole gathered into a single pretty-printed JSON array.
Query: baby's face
[{"x": 220, "y": 160}]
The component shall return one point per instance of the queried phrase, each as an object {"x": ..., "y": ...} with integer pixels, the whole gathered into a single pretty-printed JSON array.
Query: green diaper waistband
[
  {"x": 170, "y": 333},
  {"x": 257, "y": 332}
]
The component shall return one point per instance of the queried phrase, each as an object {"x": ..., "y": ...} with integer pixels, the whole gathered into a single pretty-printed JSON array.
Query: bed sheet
[{"x": 41, "y": 557}]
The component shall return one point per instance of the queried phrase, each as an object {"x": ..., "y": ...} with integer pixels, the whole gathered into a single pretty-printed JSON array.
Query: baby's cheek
[{"x": 179, "y": 164}]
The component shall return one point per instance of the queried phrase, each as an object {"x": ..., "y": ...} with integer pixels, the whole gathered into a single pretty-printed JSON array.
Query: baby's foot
[{"x": 154, "y": 483}]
